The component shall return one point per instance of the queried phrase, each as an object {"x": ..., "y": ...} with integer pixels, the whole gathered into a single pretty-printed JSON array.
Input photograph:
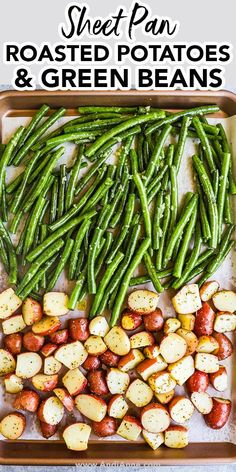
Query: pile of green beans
[{"x": 103, "y": 223}]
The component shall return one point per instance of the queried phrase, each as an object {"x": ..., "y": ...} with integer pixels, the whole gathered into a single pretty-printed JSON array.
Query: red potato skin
[
  {"x": 204, "y": 321},
  {"x": 106, "y": 427},
  {"x": 59, "y": 337},
  {"x": 49, "y": 385},
  {"x": 48, "y": 430},
  {"x": 176, "y": 427},
  {"x": 132, "y": 419},
  {"x": 110, "y": 359},
  {"x": 35, "y": 307},
  {"x": 112, "y": 400},
  {"x": 79, "y": 329},
  {"x": 50, "y": 330},
  {"x": 198, "y": 382},
  {"x": 225, "y": 348},
  {"x": 13, "y": 343},
  {"x": 175, "y": 400},
  {"x": 27, "y": 400},
  {"x": 97, "y": 382},
  {"x": 219, "y": 414},
  {"x": 130, "y": 320},
  {"x": 66, "y": 399},
  {"x": 48, "y": 349},
  {"x": 154, "y": 321},
  {"x": 92, "y": 363},
  {"x": 33, "y": 342},
  {"x": 222, "y": 371},
  {"x": 152, "y": 406}
]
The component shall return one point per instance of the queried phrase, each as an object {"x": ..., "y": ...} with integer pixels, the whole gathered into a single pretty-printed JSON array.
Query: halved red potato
[
  {"x": 71, "y": 355},
  {"x": 59, "y": 337},
  {"x": 219, "y": 414},
  {"x": 65, "y": 398},
  {"x": 48, "y": 349},
  {"x": 106, "y": 427},
  {"x": 117, "y": 381},
  {"x": 143, "y": 301},
  {"x": 208, "y": 289},
  {"x": 202, "y": 402},
  {"x": 99, "y": 326},
  {"x": 14, "y": 324},
  {"x": 155, "y": 418},
  {"x": 117, "y": 406},
  {"x": 109, "y": 358},
  {"x": 151, "y": 352},
  {"x": 7, "y": 362},
  {"x": 139, "y": 393},
  {"x": 51, "y": 366},
  {"x": 74, "y": 381},
  {"x": 225, "y": 300},
  {"x": 225, "y": 346},
  {"x": 130, "y": 428},
  {"x": 13, "y": 384},
  {"x": 206, "y": 363},
  {"x": 141, "y": 339},
  {"x": 164, "y": 398},
  {"x": 204, "y": 321},
  {"x": 176, "y": 436},
  {"x": 181, "y": 409},
  {"x": 76, "y": 436},
  {"x": 130, "y": 360},
  {"x": 171, "y": 325},
  {"x": 173, "y": 347},
  {"x": 32, "y": 311},
  {"x": 207, "y": 344},
  {"x": 198, "y": 382},
  {"x": 51, "y": 411},
  {"x": 154, "y": 440},
  {"x": 33, "y": 342},
  {"x": 190, "y": 339},
  {"x": 13, "y": 343},
  {"x": 154, "y": 321},
  {"x": 187, "y": 300},
  {"x": 9, "y": 303},
  {"x": 161, "y": 382},
  {"x": 79, "y": 329},
  {"x": 117, "y": 341},
  {"x": 55, "y": 303},
  {"x": 45, "y": 383},
  {"x": 91, "y": 406},
  {"x": 219, "y": 379},
  {"x": 130, "y": 321},
  {"x": 13, "y": 425},
  {"x": 48, "y": 430},
  {"x": 224, "y": 322},
  {"x": 46, "y": 326},
  {"x": 97, "y": 382},
  {"x": 95, "y": 345},
  {"x": 28, "y": 364},
  {"x": 187, "y": 321},
  {"x": 181, "y": 370},
  {"x": 150, "y": 366},
  {"x": 27, "y": 400},
  {"x": 92, "y": 363}
]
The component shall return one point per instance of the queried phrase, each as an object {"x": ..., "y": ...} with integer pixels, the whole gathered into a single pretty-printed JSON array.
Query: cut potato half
[
  {"x": 154, "y": 440},
  {"x": 143, "y": 301},
  {"x": 117, "y": 407},
  {"x": 55, "y": 304},
  {"x": 141, "y": 339},
  {"x": 155, "y": 418},
  {"x": 71, "y": 355},
  {"x": 28, "y": 364},
  {"x": 13, "y": 384},
  {"x": 95, "y": 345},
  {"x": 225, "y": 300},
  {"x": 190, "y": 339},
  {"x": 130, "y": 428},
  {"x": 14, "y": 324},
  {"x": 117, "y": 341},
  {"x": 206, "y": 363},
  {"x": 130, "y": 360},
  {"x": 209, "y": 289},
  {"x": 51, "y": 365},
  {"x": 187, "y": 300},
  {"x": 76, "y": 436},
  {"x": 161, "y": 382},
  {"x": 225, "y": 322},
  {"x": 181, "y": 409},
  {"x": 51, "y": 411},
  {"x": 7, "y": 362},
  {"x": 202, "y": 402},
  {"x": 99, "y": 326},
  {"x": 9, "y": 303},
  {"x": 139, "y": 393},
  {"x": 150, "y": 366},
  {"x": 13, "y": 425},
  {"x": 74, "y": 381},
  {"x": 176, "y": 437},
  {"x": 173, "y": 347},
  {"x": 219, "y": 379},
  {"x": 91, "y": 406},
  {"x": 117, "y": 381},
  {"x": 181, "y": 370}
]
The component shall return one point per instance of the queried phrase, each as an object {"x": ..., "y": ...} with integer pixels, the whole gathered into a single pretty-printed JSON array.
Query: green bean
[
  {"x": 76, "y": 291},
  {"x": 214, "y": 264},
  {"x": 134, "y": 161},
  {"x": 226, "y": 149},
  {"x": 43, "y": 234},
  {"x": 143, "y": 279},
  {"x": 40, "y": 167},
  {"x": 12, "y": 277},
  {"x": 4, "y": 209},
  {"x": 92, "y": 288},
  {"x": 116, "y": 217},
  {"x": 93, "y": 125},
  {"x": 137, "y": 120},
  {"x": 111, "y": 172},
  {"x": 129, "y": 211},
  {"x": 179, "y": 262},
  {"x": 222, "y": 189},
  {"x": 192, "y": 261},
  {"x": 204, "y": 142},
  {"x": 104, "y": 252},
  {"x": 111, "y": 268},
  {"x": 144, "y": 204},
  {"x": 165, "y": 223},
  {"x": 21, "y": 189},
  {"x": 203, "y": 110},
  {"x": 3, "y": 255},
  {"x": 140, "y": 141},
  {"x": 219, "y": 262},
  {"x": 76, "y": 248},
  {"x": 123, "y": 155},
  {"x": 108, "y": 109},
  {"x": 152, "y": 273},
  {"x": 90, "y": 173},
  {"x": 53, "y": 202},
  {"x": 228, "y": 210},
  {"x": 33, "y": 222},
  {"x": 158, "y": 213},
  {"x": 155, "y": 157},
  {"x": 181, "y": 142},
  {"x": 74, "y": 177},
  {"x": 125, "y": 282},
  {"x": 58, "y": 233},
  {"x": 70, "y": 137},
  {"x": 62, "y": 191},
  {"x": 205, "y": 256},
  {"x": 173, "y": 198},
  {"x": 36, "y": 279},
  {"x": 14, "y": 183},
  {"x": 61, "y": 264},
  {"x": 156, "y": 180},
  {"x": 20, "y": 244},
  {"x": 6, "y": 156}
]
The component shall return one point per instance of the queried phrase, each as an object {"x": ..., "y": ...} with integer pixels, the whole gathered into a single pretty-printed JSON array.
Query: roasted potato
[
  {"x": 154, "y": 321},
  {"x": 92, "y": 363},
  {"x": 7, "y": 362},
  {"x": 139, "y": 393},
  {"x": 76, "y": 436},
  {"x": 91, "y": 406},
  {"x": 59, "y": 337},
  {"x": 13, "y": 425},
  {"x": 117, "y": 406},
  {"x": 130, "y": 428},
  {"x": 55, "y": 304},
  {"x": 155, "y": 418},
  {"x": 225, "y": 347},
  {"x": 171, "y": 325},
  {"x": 130, "y": 320},
  {"x": 173, "y": 347},
  {"x": 117, "y": 341},
  {"x": 97, "y": 382},
  {"x": 33, "y": 342},
  {"x": 154, "y": 440},
  {"x": 176, "y": 436},
  {"x": 181, "y": 370},
  {"x": 27, "y": 400},
  {"x": 48, "y": 430},
  {"x": 65, "y": 398},
  {"x": 141, "y": 339},
  {"x": 202, "y": 402},
  {"x": 14, "y": 324},
  {"x": 225, "y": 300},
  {"x": 95, "y": 345},
  {"x": 219, "y": 414},
  {"x": 46, "y": 326},
  {"x": 143, "y": 302},
  {"x": 32, "y": 311},
  {"x": 219, "y": 379},
  {"x": 204, "y": 321},
  {"x": 181, "y": 409},
  {"x": 13, "y": 384},
  {"x": 51, "y": 411},
  {"x": 106, "y": 427},
  {"x": 99, "y": 326},
  {"x": 9, "y": 303},
  {"x": 209, "y": 289},
  {"x": 187, "y": 300},
  {"x": 45, "y": 383},
  {"x": 74, "y": 381},
  {"x": 198, "y": 382},
  {"x": 71, "y": 355},
  {"x": 79, "y": 329},
  {"x": 28, "y": 364},
  {"x": 13, "y": 343},
  {"x": 150, "y": 366},
  {"x": 117, "y": 381},
  {"x": 130, "y": 360},
  {"x": 109, "y": 358}
]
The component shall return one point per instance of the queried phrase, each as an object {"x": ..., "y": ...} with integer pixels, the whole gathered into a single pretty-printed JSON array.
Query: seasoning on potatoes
[
  {"x": 154, "y": 321},
  {"x": 225, "y": 346},
  {"x": 92, "y": 363},
  {"x": 106, "y": 427},
  {"x": 32, "y": 311},
  {"x": 79, "y": 329},
  {"x": 13, "y": 343},
  {"x": 97, "y": 382},
  {"x": 219, "y": 414},
  {"x": 208, "y": 289},
  {"x": 204, "y": 321},
  {"x": 33, "y": 342},
  {"x": 27, "y": 400},
  {"x": 143, "y": 302},
  {"x": 130, "y": 320},
  {"x": 198, "y": 382},
  {"x": 59, "y": 337},
  {"x": 109, "y": 358},
  {"x": 48, "y": 430},
  {"x": 13, "y": 425}
]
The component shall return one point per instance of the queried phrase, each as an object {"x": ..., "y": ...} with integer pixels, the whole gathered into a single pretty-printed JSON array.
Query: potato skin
[
  {"x": 48, "y": 349},
  {"x": 219, "y": 414},
  {"x": 48, "y": 430},
  {"x": 106, "y": 427},
  {"x": 130, "y": 320},
  {"x": 198, "y": 382},
  {"x": 97, "y": 382},
  {"x": 33, "y": 342},
  {"x": 13, "y": 343},
  {"x": 33, "y": 306},
  {"x": 59, "y": 337},
  {"x": 154, "y": 321},
  {"x": 225, "y": 346},
  {"x": 109, "y": 358},
  {"x": 92, "y": 363},
  {"x": 204, "y": 321},
  {"x": 79, "y": 329},
  {"x": 27, "y": 400}
]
